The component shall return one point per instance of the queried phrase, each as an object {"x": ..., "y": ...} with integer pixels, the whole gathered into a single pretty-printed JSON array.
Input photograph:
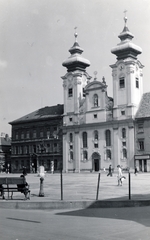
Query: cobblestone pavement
[{"x": 83, "y": 186}]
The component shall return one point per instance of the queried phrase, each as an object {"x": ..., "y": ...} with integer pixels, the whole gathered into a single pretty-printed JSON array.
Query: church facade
[{"x": 99, "y": 130}]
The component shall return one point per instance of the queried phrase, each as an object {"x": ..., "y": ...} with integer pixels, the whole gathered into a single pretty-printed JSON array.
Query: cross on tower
[
  {"x": 125, "y": 17},
  {"x": 75, "y": 34}
]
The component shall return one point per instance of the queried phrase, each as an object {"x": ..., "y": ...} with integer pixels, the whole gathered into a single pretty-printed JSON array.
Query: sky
[{"x": 35, "y": 36}]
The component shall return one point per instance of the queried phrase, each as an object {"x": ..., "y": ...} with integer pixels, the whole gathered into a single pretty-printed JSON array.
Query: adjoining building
[
  {"x": 37, "y": 140},
  {"x": 98, "y": 130},
  {"x": 5, "y": 153},
  {"x": 142, "y": 135}
]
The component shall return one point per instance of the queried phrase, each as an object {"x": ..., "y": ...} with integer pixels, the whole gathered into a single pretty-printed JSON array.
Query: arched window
[
  {"x": 95, "y": 135},
  {"x": 84, "y": 138},
  {"x": 95, "y": 139},
  {"x": 124, "y": 153},
  {"x": 108, "y": 138},
  {"x": 71, "y": 155},
  {"x": 85, "y": 155},
  {"x": 70, "y": 91},
  {"x": 95, "y": 100},
  {"x": 71, "y": 137},
  {"x": 123, "y": 133},
  {"x": 108, "y": 153}
]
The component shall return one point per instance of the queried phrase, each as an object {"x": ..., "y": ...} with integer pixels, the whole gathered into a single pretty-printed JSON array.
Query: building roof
[
  {"x": 144, "y": 108},
  {"x": 43, "y": 113}
]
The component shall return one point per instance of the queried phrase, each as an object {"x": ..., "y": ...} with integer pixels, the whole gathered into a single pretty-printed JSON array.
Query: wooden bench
[{"x": 14, "y": 184}]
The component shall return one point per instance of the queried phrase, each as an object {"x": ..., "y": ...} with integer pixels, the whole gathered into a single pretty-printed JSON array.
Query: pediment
[{"x": 95, "y": 84}]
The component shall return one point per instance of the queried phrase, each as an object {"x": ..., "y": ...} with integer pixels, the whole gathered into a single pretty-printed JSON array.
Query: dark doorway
[
  {"x": 96, "y": 165},
  {"x": 140, "y": 165},
  {"x": 145, "y": 165}
]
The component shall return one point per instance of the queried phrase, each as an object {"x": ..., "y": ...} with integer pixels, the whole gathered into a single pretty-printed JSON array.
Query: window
[
  {"x": 122, "y": 82},
  {"x": 108, "y": 137},
  {"x": 140, "y": 127},
  {"x": 17, "y": 136},
  {"x": 83, "y": 92},
  {"x": 70, "y": 92},
  {"x": 141, "y": 144},
  {"x": 71, "y": 137},
  {"x": 34, "y": 134},
  {"x": 70, "y": 119},
  {"x": 84, "y": 138},
  {"x": 95, "y": 145},
  {"x": 95, "y": 99},
  {"x": 123, "y": 133},
  {"x": 41, "y": 134},
  {"x": 16, "y": 150},
  {"x": 28, "y": 135},
  {"x": 124, "y": 153},
  {"x": 71, "y": 155},
  {"x": 95, "y": 139},
  {"x": 48, "y": 134},
  {"x": 95, "y": 135},
  {"x": 85, "y": 155},
  {"x": 137, "y": 83},
  {"x": 124, "y": 144},
  {"x": 122, "y": 112},
  {"x": 108, "y": 154},
  {"x": 47, "y": 147},
  {"x": 22, "y": 135}
]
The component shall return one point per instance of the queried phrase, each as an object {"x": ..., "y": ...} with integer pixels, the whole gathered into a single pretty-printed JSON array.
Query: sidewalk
[{"x": 80, "y": 190}]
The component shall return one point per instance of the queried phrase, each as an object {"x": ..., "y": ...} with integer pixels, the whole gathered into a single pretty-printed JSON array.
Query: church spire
[
  {"x": 126, "y": 48},
  {"x": 76, "y": 61}
]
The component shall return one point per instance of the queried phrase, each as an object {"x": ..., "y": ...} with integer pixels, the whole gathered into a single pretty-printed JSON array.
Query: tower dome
[
  {"x": 126, "y": 48},
  {"x": 76, "y": 61}
]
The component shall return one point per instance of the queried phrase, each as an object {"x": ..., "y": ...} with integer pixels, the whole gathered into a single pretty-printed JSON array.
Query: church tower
[
  {"x": 74, "y": 83},
  {"x": 127, "y": 76}
]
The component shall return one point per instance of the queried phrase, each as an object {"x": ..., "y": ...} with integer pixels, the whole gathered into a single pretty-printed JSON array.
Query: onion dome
[
  {"x": 76, "y": 61},
  {"x": 126, "y": 49}
]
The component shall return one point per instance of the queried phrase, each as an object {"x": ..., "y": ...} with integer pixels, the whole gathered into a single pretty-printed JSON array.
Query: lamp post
[{"x": 41, "y": 192}]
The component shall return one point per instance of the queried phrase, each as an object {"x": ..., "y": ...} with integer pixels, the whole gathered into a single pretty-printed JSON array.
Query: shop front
[{"x": 142, "y": 162}]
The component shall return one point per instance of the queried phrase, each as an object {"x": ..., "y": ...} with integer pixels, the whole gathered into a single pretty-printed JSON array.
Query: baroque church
[{"x": 99, "y": 130}]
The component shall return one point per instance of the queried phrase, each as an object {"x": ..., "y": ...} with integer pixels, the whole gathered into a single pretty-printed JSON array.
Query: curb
[{"x": 72, "y": 204}]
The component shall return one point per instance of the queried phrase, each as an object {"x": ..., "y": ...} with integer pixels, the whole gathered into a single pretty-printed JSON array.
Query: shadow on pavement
[{"x": 136, "y": 214}]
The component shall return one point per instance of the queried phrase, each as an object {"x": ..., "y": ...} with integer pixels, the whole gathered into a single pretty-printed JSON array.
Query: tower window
[
  {"x": 141, "y": 144},
  {"x": 137, "y": 83},
  {"x": 122, "y": 112},
  {"x": 83, "y": 92},
  {"x": 122, "y": 82},
  {"x": 123, "y": 133},
  {"x": 70, "y": 92},
  {"x": 95, "y": 115}
]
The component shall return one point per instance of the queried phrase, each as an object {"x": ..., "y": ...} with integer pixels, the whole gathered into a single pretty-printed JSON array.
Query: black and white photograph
[{"x": 74, "y": 119}]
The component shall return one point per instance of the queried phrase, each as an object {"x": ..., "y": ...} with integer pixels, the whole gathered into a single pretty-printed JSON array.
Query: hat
[{"x": 118, "y": 165}]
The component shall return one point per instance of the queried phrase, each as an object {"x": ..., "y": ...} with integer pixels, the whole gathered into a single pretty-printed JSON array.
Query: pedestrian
[
  {"x": 119, "y": 175},
  {"x": 109, "y": 171},
  {"x": 24, "y": 188},
  {"x": 135, "y": 170}
]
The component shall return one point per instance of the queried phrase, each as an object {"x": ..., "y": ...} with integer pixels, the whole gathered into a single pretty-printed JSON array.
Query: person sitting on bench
[
  {"x": 2, "y": 191},
  {"x": 24, "y": 188}
]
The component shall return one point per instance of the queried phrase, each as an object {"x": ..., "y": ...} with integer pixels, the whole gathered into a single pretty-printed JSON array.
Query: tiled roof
[
  {"x": 144, "y": 108},
  {"x": 42, "y": 113}
]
